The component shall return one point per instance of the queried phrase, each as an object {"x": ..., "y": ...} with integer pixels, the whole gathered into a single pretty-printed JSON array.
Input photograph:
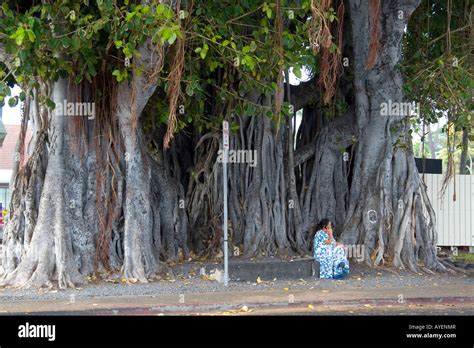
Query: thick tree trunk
[
  {"x": 83, "y": 201},
  {"x": 139, "y": 256},
  {"x": 388, "y": 212},
  {"x": 38, "y": 246}
]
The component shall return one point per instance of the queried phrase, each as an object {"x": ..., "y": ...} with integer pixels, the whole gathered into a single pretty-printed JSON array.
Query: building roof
[{"x": 8, "y": 148}]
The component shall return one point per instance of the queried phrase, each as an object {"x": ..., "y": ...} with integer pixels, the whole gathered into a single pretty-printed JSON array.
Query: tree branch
[
  {"x": 341, "y": 131},
  {"x": 305, "y": 93}
]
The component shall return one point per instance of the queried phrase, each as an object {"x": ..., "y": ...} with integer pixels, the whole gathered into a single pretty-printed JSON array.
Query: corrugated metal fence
[{"x": 454, "y": 219}]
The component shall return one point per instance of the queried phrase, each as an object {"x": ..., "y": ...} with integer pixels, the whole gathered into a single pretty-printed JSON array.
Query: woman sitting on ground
[{"x": 333, "y": 263}]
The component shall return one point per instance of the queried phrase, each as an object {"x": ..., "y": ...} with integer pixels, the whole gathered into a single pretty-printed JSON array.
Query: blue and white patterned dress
[{"x": 333, "y": 263}]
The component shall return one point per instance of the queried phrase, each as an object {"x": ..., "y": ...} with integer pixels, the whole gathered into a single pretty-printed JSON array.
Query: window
[{"x": 4, "y": 196}]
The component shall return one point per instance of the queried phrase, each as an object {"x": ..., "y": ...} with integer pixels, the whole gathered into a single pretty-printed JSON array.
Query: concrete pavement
[{"x": 243, "y": 302}]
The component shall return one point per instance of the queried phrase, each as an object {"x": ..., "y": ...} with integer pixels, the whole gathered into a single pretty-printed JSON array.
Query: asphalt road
[{"x": 425, "y": 309}]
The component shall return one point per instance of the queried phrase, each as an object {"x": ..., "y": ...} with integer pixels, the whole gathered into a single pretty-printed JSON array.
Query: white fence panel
[{"x": 454, "y": 219}]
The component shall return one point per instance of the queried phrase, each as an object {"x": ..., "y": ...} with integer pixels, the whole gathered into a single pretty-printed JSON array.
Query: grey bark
[{"x": 386, "y": 197}]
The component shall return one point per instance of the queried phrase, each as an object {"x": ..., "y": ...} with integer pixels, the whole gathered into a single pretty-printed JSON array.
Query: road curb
[{"x": 162, "y": 309}]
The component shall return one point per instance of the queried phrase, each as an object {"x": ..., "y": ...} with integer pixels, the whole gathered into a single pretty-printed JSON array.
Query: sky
[{"x": 11, "y": 116}]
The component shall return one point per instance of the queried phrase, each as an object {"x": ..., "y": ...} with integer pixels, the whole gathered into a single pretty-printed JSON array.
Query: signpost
[{"x": 225, "y": 142}]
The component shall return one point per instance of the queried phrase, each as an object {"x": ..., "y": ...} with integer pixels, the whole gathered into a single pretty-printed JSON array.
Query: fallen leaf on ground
[
  {"x": 325, "y": 290},
  {"x": 259, "y": 280},
  {"x": 205, "y": 277},
  {"x": 286, "y": 289},
  {"x": 310, "y": 306}
]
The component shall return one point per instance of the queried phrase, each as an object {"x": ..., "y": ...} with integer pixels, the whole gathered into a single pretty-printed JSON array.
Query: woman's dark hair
[
  {"x": 314, "y": 228},
  {"x": 323, "y": 223}
]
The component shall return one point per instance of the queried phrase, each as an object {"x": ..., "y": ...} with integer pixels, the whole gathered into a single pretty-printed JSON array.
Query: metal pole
[
  {"x": 225, "y": 143},
  {"x": 226, "y": 249}
]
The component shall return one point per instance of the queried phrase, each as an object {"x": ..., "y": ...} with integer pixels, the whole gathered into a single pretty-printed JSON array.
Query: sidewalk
[{"x": 224, "y": 301}]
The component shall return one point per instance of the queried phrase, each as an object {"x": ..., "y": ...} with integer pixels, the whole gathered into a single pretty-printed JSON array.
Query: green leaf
[
  {"x": 78, "y": 79},
  {"x": 50, "y": 104},
  {"x": 189, "y": 90},
  {"x": 19, "y": 36},
  {"x": 172, "y": 38},
  {"x": 31, "y": 35},
  {"x": 119, "y": 75},
  {"x": 247, "y": 60},
  {"x": 127, "y": 52},
  {"x": 253, "y": 46},
  {"x": 169, "y": 14},
  {"x": 12, "y": 102},
  {"x": 297, "y": 71},
  {"x": 160, "y": 9},
  {"x": 203, "y": 51},
  {"x": 166, "y": 33},
  {"x": 130, "y": 16}
]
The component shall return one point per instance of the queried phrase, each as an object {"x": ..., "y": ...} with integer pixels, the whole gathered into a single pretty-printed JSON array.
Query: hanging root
[
  {"x": 321, "y": 38},
  {"x": 174, "y": 86},
  {"x": 375, "y": 18}
]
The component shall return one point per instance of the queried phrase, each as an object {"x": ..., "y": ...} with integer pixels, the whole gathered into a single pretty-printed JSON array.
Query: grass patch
[{"x": 465, "y": 257}]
